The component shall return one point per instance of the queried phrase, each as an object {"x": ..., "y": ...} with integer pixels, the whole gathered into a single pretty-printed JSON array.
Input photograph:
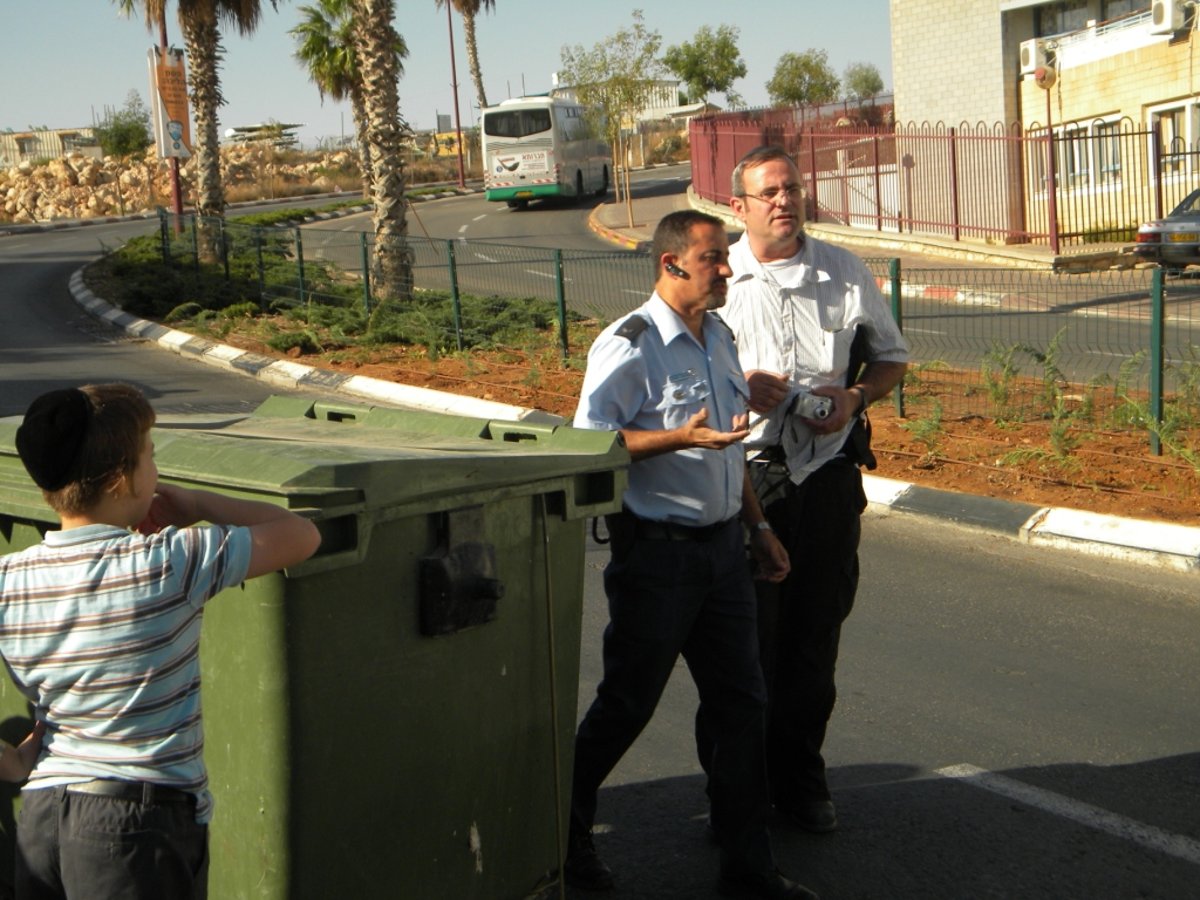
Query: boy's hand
[
  {"x": 31, "y": 748},
  {"x": 171, "y": 506}
]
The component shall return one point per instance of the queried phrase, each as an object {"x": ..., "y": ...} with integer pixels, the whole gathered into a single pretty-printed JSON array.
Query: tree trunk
[
  {"x": 473, "y": 58},
  {"x": 376, "y": 40},
  {"x": 362, "y": 133},
  {"x": 203, "y": 40}
]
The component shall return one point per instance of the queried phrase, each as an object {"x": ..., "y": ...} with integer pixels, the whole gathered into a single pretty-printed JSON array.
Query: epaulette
[
  {"x": 632, "y": 327},
  {"x": 724, "y": 324}
]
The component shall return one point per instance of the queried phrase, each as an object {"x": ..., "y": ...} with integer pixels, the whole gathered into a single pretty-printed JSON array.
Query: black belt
[
  {"x": 136, "y": 791},
  {"x": 652, "y": 530}
]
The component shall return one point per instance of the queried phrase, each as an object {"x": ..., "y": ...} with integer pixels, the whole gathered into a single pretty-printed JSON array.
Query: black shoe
[
  {"x": 818, "y": 816},
  {"x": 584, "y": 869},
  {"x": 768, "y": 885}
]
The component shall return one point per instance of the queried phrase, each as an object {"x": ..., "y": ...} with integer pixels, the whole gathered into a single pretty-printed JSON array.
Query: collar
[
  {"x": 668, "y": 322},
  {"x": 798, "y": 271}
]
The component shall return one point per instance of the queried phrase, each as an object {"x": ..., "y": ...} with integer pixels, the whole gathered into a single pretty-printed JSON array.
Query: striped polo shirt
[{"x": 100, "y": 629}]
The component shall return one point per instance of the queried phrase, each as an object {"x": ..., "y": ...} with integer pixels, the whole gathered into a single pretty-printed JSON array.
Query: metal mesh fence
[
  {"x": 1011, "y": 343},
  {"x": 997, "y": 343}
]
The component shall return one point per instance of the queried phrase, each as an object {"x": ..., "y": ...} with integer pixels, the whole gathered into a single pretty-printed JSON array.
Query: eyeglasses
[{"x": 790, "y": 193}]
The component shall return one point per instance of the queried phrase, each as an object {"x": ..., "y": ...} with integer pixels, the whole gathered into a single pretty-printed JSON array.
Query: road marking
[
  {"x": 909, "y": 328},
  {"x": 631, "y": 291},
  {"x": 462, "y": 228},
  {"x": 546, "y": 275},
  {"x": 477, "y": 218},
  {"x": 485, "y": 257},
  {"x": 1077, "y": 811}
]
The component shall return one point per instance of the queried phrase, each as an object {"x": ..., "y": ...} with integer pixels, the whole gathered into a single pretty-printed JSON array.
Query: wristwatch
[{"x": 862, "y": 394}]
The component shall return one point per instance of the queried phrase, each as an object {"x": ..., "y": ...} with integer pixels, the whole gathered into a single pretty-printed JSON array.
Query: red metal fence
[{"x": 1083, "y": 182}]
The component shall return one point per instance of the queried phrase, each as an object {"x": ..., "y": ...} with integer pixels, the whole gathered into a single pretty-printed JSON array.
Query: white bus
[{"x": 542, "y": 147}]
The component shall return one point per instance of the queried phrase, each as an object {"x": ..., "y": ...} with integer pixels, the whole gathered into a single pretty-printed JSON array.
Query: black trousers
[
  {"x": 84, "y": 846},
  {"x": 800, "y": 623},
  {"x": 691, "y": 597}
]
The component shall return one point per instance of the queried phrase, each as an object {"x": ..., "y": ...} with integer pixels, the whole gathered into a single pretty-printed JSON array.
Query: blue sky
[{"x": 64, "y": 61}]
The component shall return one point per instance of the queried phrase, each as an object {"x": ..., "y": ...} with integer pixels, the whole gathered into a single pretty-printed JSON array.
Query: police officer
[{"x": 668, "y": 379}]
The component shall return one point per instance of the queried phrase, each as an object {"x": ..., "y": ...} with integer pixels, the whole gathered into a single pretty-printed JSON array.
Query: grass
[{"x": 262, "y": 297}]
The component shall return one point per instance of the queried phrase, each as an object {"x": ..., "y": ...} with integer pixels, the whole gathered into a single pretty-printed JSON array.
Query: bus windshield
[{"x": 516, "y": 123}]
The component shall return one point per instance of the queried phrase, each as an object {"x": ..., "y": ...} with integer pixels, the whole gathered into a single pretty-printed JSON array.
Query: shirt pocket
[
  {"x": 835, "y": 351},
  {"x": 683, "y": 395}
]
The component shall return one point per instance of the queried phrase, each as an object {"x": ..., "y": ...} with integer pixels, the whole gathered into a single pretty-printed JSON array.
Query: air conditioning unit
[
  {"x": 1033, "y": 55},
  {"x": 1166, "y": 16}
]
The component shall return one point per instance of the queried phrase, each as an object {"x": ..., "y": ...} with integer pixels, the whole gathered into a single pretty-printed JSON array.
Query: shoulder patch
[{"x": 632, "y": 327}]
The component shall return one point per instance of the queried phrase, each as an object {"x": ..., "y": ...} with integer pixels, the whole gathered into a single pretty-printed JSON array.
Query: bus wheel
[
  {"x": 517, "y": 204},
  {"x": 603, "y": 189}
]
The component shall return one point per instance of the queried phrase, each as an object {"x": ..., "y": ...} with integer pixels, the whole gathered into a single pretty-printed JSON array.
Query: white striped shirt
[
  {"x": 798, "y": 318},
  {"x": 100, "y": 629}
]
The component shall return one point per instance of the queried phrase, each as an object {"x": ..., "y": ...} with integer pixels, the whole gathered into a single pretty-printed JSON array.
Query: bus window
[{"x": 517, "y": 123}]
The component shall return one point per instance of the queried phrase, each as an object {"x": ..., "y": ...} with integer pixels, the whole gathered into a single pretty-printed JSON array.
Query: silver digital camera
[{"x": 811, "y": 406}]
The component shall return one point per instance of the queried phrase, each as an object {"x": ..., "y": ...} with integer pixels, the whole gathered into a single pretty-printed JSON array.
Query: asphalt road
[{"x": 1013, "y": 722}]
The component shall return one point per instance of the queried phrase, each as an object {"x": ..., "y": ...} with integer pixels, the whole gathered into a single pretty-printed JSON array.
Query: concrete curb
[
  {"x": 608, "y": 234},
  {"x": 287, "y": 374},
  {"x": 1133, "y": 540}
]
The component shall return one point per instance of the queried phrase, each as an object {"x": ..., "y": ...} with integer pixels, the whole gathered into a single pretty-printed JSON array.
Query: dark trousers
[
  {"x": 695, "y": 598},
  {"x": 90, "y": 847},
  {"x": 800, "y": 623}
]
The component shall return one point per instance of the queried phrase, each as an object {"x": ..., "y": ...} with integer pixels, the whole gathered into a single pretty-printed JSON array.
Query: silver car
[{"x": 1173, "y": 242}]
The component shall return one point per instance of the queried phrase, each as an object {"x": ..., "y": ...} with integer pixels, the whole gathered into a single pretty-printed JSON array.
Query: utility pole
[
  {"x": 176, "y": 193},
  {"x": 462, "y": 178}
]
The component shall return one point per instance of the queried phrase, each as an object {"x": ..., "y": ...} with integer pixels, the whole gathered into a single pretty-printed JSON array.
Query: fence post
[
  {"x": 454, "y": 298},
  {"x": 366, "y": 271},
  {"x": 955, "y": 223},
  {"x": 561, "y": 297},
  {"x": 224, "y": 249},
  {"x": 898, "y": 315},
  {"x": 164, "y": 239},
  {"x": 262, "y": 269},
  {"x": 1156, "y": 359},
  {"x": 300, "y": 262}
]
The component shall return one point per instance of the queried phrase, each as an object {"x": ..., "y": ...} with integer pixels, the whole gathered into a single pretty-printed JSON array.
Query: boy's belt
[{"x": 136, "y": 791}]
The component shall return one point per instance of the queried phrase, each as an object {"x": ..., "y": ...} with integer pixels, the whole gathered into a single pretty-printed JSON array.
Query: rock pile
[{"x": 81, "y": 187}]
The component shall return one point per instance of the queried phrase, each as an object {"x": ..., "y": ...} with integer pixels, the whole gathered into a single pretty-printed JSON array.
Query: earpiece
[{"x": 675, "y": 270}]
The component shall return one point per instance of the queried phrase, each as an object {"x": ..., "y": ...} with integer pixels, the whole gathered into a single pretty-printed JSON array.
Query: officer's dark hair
[
  {"x": 673, "y": 234},
  {"x": 755, "y": 158}
]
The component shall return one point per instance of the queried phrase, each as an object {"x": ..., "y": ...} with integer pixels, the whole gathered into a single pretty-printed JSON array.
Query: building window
[
  {"x": 1072, "y": 146},
  {"x": 1108, "y": 152},
  {"x": 1115, "y": 9},
  {"x": 1174, "y": 132},
  {"x": 1061, "y": 17}
]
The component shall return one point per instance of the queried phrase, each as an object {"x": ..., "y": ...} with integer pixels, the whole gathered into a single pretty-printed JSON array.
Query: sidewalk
[
  {"x": 611, "y": 222},
  {"x": 1158, "y": 543}
]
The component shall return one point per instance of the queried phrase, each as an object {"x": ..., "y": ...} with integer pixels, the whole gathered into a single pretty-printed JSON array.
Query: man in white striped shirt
[
  {"x": 100, "y": 629},
  {"x": 810, "y": 323}
]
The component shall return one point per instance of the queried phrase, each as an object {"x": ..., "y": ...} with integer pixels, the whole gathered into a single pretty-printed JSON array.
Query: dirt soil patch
[{"x": 1110, "y": 472}]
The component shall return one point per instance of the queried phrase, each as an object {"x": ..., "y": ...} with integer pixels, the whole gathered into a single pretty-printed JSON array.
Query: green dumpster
[{"x": 393, "y": 718}]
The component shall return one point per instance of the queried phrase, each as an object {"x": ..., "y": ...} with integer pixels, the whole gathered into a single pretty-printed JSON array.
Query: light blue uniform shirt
[{"x": 656, "y": 381}]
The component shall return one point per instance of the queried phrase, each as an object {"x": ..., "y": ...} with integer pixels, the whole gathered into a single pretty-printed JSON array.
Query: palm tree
[
  {"x": 469, "y": 9},
  {"x": 325, "y": 39},
  {"x": 375, "y": 46},
  {"x": 199, "y": 20}
]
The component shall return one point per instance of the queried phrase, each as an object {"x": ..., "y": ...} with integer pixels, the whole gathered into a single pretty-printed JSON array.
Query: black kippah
[{"x": 50, "y": 438}]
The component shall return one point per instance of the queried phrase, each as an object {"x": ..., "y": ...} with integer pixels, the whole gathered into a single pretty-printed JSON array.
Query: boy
[{"x": 100, "y": 628}]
